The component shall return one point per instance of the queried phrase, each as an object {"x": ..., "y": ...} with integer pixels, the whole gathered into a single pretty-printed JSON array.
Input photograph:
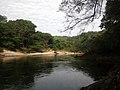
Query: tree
[
  {"x": 40, "y": 41},
  {"x": 111, "y": 21},
  {"x": 111, "y": 18},
  {"x": 21, "y": 35},
  {"x": 21, "y": 30},
  {"x": 81, "y": 12},
  {"x": 3, "y": 19}
]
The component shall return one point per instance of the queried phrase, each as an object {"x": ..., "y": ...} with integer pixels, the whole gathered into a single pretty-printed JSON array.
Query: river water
[{"x": 48, "y": 73}]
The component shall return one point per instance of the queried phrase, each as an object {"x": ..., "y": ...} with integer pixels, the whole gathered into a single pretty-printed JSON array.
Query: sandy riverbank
[{"x": 7, "y": 53}]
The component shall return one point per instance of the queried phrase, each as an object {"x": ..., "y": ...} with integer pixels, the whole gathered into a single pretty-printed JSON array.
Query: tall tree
[
  {"x": 3, "y": 20},
  {"x": 111, "y": 18},
  {"x": 22, "y": 30}
]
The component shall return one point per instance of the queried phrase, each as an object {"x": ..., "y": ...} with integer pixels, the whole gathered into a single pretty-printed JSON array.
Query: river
[{"x": 49, "y": 73}]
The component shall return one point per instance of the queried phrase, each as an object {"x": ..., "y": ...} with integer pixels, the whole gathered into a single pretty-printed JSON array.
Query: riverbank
[
  {"x": 102, "y": 58},
  {"x": 112, "y": 80},
  {"x": 8, "y": 53}
]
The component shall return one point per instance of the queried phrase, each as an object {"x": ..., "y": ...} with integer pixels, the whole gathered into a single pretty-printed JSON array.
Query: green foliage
[
  {"x": 3, "y": 19},
  {"x": 63, "y": 43},
  {"x": 41, "y": 41},
  {"x": 102, "y": 42},
  {"x": 84, "y": 41},
  {"x": 20, "y": 34}
]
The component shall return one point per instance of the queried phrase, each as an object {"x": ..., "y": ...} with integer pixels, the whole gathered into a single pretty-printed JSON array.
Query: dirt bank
[{"x": 7, "y": 53}]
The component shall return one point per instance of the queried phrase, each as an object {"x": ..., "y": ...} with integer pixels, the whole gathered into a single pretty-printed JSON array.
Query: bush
[
  {"x": 25, "y": 50},
  {"x": 1, "y": 50},
  {"x": 36, "y": 48}
]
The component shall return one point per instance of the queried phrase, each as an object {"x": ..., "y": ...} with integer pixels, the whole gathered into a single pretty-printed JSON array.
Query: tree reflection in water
[
  {"x": 20, "y": 73},
  {"x": 27, "y": 72},
  {"x": 92, "y": 68}
]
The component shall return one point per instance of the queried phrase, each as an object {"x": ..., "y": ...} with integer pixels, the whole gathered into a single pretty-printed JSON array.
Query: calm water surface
[{"x": 48, "y": 73}]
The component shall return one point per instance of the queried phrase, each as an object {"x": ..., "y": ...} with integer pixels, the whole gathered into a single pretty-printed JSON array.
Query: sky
[{"x": 43, "y": 13}]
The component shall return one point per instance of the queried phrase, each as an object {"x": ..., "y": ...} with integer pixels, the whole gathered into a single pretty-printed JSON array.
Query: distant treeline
[
  {"x": 105, "y": 42},
  {"x": 21, "y": 35}
]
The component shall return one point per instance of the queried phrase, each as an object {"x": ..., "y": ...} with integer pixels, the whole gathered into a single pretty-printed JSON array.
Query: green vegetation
[
  {"x": 63, "y": 43},
  {"x": 98, "y": 42},
  {"x": 21, "y": 35}
]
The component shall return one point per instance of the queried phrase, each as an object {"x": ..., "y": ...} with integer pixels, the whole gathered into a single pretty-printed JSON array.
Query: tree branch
[{"x": 81, "y": 11}]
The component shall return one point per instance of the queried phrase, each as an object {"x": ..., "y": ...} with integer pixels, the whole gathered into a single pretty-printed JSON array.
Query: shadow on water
[
  {"x": 48, "y": 72},
  {"x": 93, "y": 68}
]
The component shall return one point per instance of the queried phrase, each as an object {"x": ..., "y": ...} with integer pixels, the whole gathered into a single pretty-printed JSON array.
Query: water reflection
[
  {"x": 20, "y": 73},
  {"x": 46, "y": 73},
  {"x": 93, "y": 68}
]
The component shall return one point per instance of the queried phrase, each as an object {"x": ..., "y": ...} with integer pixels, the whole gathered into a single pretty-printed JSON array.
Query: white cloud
[{"x": 43, "y": 13}]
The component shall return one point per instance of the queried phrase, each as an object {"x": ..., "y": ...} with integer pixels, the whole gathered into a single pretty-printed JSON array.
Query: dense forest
[{"x": 21, "y": 35}]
